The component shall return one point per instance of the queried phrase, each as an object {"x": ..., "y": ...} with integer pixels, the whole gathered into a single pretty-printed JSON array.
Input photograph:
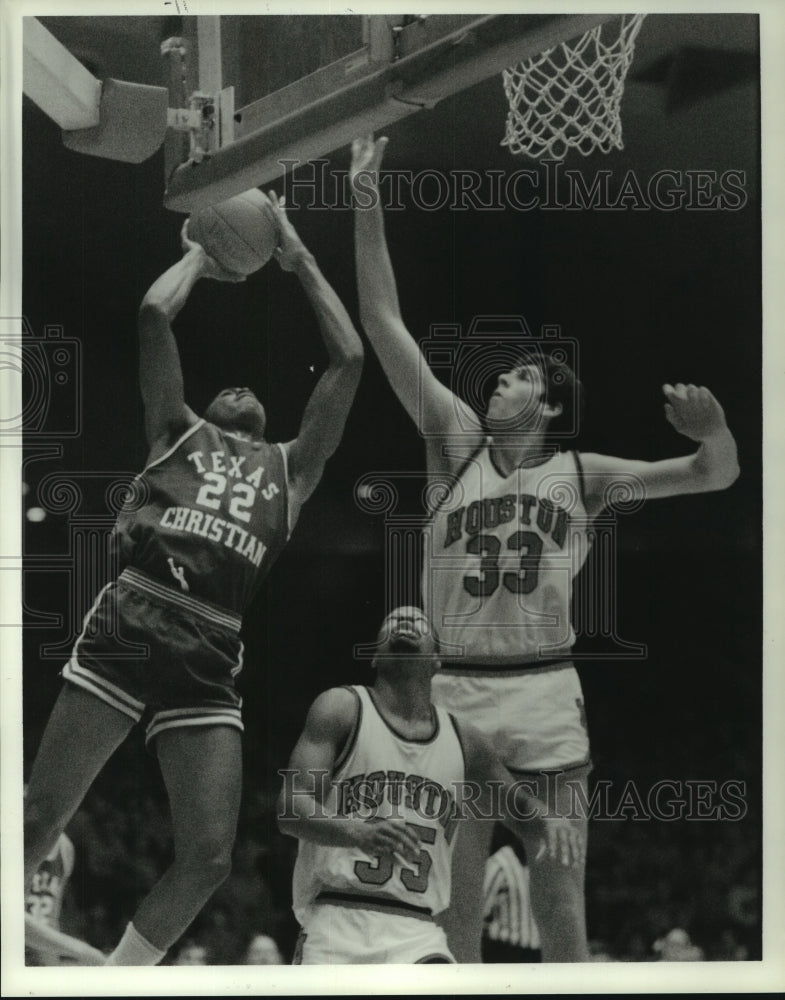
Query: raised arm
[
  {"x": 327, "y": 409},
  {"x": 306, "y": 782},
  {"x": 160, "y": 372},
  {"x": 694, "y": 412},
  {"x": 432, "y": 406}
]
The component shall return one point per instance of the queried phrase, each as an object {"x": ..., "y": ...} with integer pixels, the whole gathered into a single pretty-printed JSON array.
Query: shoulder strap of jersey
[
  {"x": 290, "y": 519},
  {"x": 459, "y": 736},
  {"x": 456, "y": 476},
  {"x": 581, "y": 475},
  {"x": 173, "y": 448}
]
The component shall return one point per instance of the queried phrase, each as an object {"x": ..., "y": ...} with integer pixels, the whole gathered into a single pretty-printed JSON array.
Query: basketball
[{"x": 237, "y": 233}]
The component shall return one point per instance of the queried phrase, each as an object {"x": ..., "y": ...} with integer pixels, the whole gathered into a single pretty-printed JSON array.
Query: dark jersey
[{"x": 209, "y": 516}]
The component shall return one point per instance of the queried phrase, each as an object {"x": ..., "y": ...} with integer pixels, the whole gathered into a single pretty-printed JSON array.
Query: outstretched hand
[
  {"x": 693, "y": 411},
  {"x": 210, "y": 267},
  {"x": 366, "y": 160}
]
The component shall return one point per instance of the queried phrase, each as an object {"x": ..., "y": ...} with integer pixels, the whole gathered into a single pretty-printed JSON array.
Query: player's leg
[
  {"x": 462, "y": 920},
  {"x": 202, "y": 770},
  {"x": 80, "y": 736},
  {"x": 557, "y": 893}
]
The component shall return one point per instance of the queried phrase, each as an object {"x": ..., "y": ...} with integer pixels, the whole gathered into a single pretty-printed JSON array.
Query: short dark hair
[{"x": 561, "y": 386}]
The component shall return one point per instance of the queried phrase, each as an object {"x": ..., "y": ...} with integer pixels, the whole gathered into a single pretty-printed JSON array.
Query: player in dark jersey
[
  {"x": 502, "y": 551},
  {"x": 213, "y": 507},
  {"x": 376, "y": 791}
]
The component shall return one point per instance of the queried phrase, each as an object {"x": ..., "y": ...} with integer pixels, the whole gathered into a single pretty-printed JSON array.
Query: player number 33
[{"x": 522, "y": 581}]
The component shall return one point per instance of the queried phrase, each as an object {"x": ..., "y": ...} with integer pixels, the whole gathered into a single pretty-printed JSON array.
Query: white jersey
[
  {"x": 502, "y": 555},
  {"x": 381, "y": 773},
  {"x": 45, "y": 896}
]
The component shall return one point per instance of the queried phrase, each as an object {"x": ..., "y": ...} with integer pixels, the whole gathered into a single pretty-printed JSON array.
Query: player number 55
[{"x": 415, "y": 879}]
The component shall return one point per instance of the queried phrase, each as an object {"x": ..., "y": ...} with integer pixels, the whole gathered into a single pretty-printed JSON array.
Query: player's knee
[
  {"x": 558, "y": 899},
  {"x": 43, "y": 822},
  {"x": 218, "y": 870},
  {"x": 216, "y": 865},
  {"x": 208, "y": 859},
  {"x": 551, "y": 878}
]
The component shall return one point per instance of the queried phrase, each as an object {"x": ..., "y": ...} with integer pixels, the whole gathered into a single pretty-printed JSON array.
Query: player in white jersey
[
  {"x": 44, "y": 904},
  {"x": 47, "y": 890},
  {"x": 506, "y": 540},
  {"x": 376, "y": 789},
  {"x": 214, "y": 505}
]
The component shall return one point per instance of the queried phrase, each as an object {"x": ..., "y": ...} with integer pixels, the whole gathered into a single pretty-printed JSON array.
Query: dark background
[{"x": 650, "y": 296}]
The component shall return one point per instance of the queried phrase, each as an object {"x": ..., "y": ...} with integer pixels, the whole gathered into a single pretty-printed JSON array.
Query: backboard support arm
[{"x": 432, "y": 58}]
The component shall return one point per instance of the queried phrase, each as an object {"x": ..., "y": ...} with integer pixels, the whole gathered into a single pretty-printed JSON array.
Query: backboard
[
  {"x": 243, "y": 98},
  {"x": 304, "y": 87}
]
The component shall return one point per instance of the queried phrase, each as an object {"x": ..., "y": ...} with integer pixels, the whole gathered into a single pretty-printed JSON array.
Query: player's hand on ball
[
  {"x": 562, "y": 843},
  {"x": 693, "y": 411},
  {"x": 209, "y": 267},
  {"x": 388, "y": 837},
  {"x": 291, "y": 252},
  {"x": 366, "y": 160}
]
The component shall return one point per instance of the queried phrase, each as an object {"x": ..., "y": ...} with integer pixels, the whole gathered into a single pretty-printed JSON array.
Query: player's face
[
  {"x": 237, "y": 409},
  {"x": 407, "y": 630},
  {"x": 518, "y": 399}
]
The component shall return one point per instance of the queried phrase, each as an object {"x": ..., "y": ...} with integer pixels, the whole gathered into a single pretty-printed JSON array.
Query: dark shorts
[{"x": 146, "y": 647}]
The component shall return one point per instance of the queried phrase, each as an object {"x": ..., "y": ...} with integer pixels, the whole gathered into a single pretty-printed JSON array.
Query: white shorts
[
  {"x": 535, "y": 719},
  {"x": 349, "y": 935}
]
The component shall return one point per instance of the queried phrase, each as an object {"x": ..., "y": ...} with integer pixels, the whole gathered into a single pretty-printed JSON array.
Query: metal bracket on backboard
[{"x": 406, "y": 64}]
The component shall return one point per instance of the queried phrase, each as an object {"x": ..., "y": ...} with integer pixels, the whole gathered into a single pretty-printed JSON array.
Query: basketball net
[{"x": 570, "y": 96}]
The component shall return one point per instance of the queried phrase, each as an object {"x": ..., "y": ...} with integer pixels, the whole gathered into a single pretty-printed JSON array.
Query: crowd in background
[{"x": 683, "y": 890}]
